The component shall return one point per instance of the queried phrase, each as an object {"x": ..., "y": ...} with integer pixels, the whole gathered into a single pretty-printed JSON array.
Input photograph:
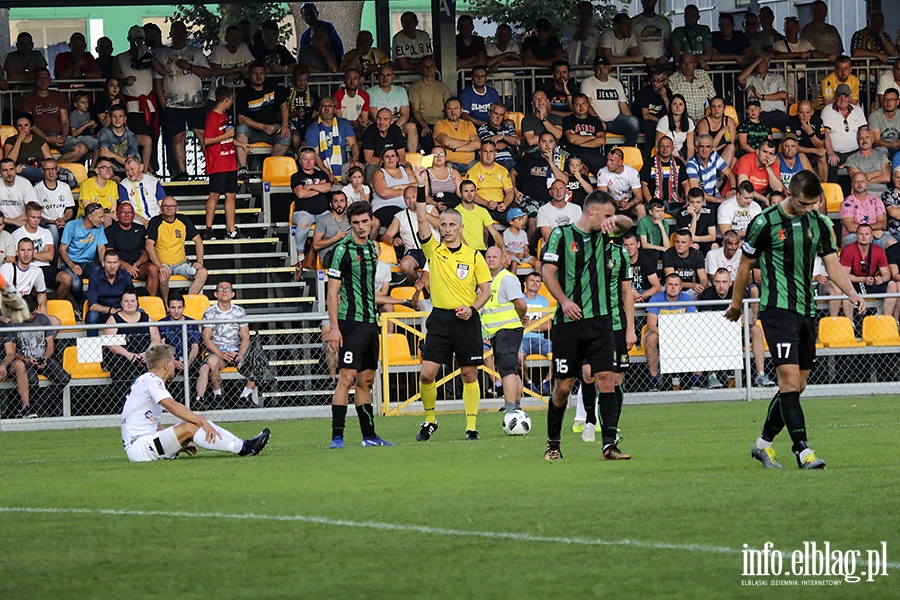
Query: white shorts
[{"x": 154, "y": 446}]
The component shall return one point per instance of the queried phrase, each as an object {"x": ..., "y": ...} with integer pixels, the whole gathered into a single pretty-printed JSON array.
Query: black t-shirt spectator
[
  {"x": 317, "y": 204},
  {"x": 649, "y": 99},
  {"x": 736, "y": 45},
  {"x": 372, "y": 140},
  {"x": 531, "y": 176},
  {"x": 803, "y": 138},
  {"x": 129, "y": 243},
  {"x": 686, "y": 268},
  {"x": 542, "y": 51},
  {"x": 473, "y": 49},
  {"x": 279, "y": 55},
  {"x": 577, "y": 190},
  {"x": 710, "y": 293},
  {"x": 893, "y": 255},
  {"x": 649, "y": 175},
  {"x": 704, "y": 222},
  {"x": 263, "y": 106},
  {"x": 642, "y": 268},
  {"x": 588, "y": 126},
  {"x": 558, "y": 100},
  {"x": 532, "y": 123}
]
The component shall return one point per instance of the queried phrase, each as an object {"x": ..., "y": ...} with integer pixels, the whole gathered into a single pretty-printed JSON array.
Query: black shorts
[
  {"x": 178, "y": 120},
  {"x": 622, "y": 361},
  {"x": 506, "y": 344},
  {"x": 878, "y": 288},
  {"x": 385, "y": 214},
  {"x": 137, "y": 124},
  {"x": 791, "y": 337},
  {"x": 417, "y": 255},
  {"x": 223, "y": 183},
  {"x": 359, "y": 350},
  {"x": 448, "y": 335},
  {"x": 586, "y": 342}
]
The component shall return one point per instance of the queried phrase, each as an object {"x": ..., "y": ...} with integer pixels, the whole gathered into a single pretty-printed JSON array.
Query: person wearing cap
[
  {"x": 515, "y": 240},
  {"x": 694, "y": 84},
  {"x": 752, "y": 131},
  {"x": 310, "y": 15},
  {"x": 770, "y": 88},
  {"x": 842, "y": 120},
  {"x": 790, "y": 161},
  {"x": 82, "y": 247},
  {"x": 866, "y": 160},
  {"x": 543, "y": 48},
  {"x": 276, "y": 57},
  {"x": 620, "y": 44},
  {"x": 609, "y": 102},
  {"x": 842, "y": 75}
]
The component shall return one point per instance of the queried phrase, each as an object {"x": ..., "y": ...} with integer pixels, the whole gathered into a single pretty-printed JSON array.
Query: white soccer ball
[{"x": 516, "y": 422}]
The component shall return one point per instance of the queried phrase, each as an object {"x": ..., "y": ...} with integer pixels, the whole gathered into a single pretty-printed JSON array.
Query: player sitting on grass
[{"x": 144, "y": 437}]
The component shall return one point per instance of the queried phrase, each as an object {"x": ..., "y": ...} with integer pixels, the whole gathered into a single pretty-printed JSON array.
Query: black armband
[{"x": 420, "y": 195}]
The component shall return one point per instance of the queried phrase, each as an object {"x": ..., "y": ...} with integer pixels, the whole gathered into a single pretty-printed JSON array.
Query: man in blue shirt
[
  {"x": 82, "y": 245},
  {"x": 172, "y": 335},
  {"x": 334, "y": 140},
  {"x": 671, "y": 293},
  {"x": 105, "y": 287},
  {"x": 310, "y": 15}
]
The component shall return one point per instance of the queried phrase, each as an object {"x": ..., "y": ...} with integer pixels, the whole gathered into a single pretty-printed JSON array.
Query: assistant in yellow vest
[{"x": 501, "y": 319}]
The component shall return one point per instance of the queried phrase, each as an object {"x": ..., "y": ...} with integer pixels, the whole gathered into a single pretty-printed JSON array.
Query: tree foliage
[
  {"x": 207, "y": 22},
  {"x": 522, "y": 15}
]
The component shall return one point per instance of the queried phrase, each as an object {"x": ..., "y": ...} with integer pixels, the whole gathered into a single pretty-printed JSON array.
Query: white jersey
[
  {"x": 620, "y": 185},
  {"x": 42, "y": 239},
  {"x": 26, "y": 281},
  {"x": 55, "y": 202},
  {"x": 14, "y": 197},
  {"x": 141, "y": 413}
]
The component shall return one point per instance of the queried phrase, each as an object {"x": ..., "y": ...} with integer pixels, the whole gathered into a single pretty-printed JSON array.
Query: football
[{"x": 516, "y": 422}]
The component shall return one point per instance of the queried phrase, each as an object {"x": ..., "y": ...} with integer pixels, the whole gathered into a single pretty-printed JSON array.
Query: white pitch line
[{"x": 500, "y": 535}]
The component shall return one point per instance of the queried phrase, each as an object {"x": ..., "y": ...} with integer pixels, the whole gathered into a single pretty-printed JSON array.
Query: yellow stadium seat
[
  {"x": 880, "y": 330},
  {"x": 546, "y": 294},
  {"x": 80, "y": 370},
  {"x": 833, "y": 197},
  {"x": 153, "y": 306},
  {"x": 398, "y": 351},
  {"x": 633, "y": 156},
  {"x": 792, "y": 110},
  {"x": 730, "y": 111},
  {"x": 638, "y": 349},
  {"x": 77, "y": 169},
  {"x": 277, "y": 170},
  {"x": 405, "y": 292},
  {"x": 388, "y": 254},
  {"x": 516, "y": 117},
  {"x": 837, "y": 332},
  {"x": 62, "y": 310},
  {"x": 195, "y": 305},
  {"x": 6, "y": 132},
  {"x": 414, "y": 159}
]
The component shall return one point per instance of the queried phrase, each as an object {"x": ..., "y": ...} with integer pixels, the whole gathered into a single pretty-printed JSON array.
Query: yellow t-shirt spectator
[
  {"x": 491, "y": 184},
  {"x": 474, "y": 223},
  {"x": 464, "y": 133},
  {"x": 169, "y": 238},
  {"x": 107, "y": 196}
]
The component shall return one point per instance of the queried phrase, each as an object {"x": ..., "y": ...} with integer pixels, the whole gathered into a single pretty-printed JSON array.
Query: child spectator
[
  {"x": 752, "y": 132},
  {"x": 357, "y": 190},
  {"x": 698, "y": 219},
  {"x": 116, "y": 142},
  {"x": 515, "y": 239},
  {"x": 653, "y": 230},
  {"x": 579, "y": 183},
  {"x": 111, "y": 96},
  {"x": 82, "y": 125},
  {"x": 221, "y": 163}
]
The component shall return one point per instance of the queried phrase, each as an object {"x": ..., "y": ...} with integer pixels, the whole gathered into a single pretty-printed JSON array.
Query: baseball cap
[
  {"x": 135, "y": 32},
  {"x": 514, "y": 213},
  {"x": 789, "y": 136},
  {"x": 90, "y": 208},
  {"x": 753, "y": 102},
  {"x": 843, "y": 90},
  {"x": 543, "y": 24},
  {"x": 601, "y": 60}
]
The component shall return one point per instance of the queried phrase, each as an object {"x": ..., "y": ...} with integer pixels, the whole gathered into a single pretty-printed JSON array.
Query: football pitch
[{"x": 456, "y": 519}]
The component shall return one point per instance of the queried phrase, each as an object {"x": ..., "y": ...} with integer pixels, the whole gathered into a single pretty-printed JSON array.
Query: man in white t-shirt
[
  {"x": 24, "y": 275},
  {"x": 43, "y": 250},
  {"x": 558, "y": 211},
  {"x": 410, "y": 45},
  {"x": 228, "y": 62},
  {"x": 394, "y": 98},
  {"x": 404, "y": 231},
  {"x": 653, "y": 32},
  {"x": 15, "y": 192},
  {"x": 353, "y": 102},
  {"x": 141, "y": 434},
  {"x": 56, "y": 198},
  {"x": 620, "y": 44},
  {"x": 738, "y": 212},
  {"x": 624, "y": 183},
  {"x": 727, "y": 256},
  {"x": 581, "y": 38},
  {"x": 609, "y": 102}
]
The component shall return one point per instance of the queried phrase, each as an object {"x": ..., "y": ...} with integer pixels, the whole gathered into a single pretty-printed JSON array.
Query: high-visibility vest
[{"x": 496, "y": 316}]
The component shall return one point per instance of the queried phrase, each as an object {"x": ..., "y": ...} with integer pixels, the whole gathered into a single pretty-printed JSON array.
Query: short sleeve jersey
[
  {"x": 475, "y": 221},
  {"x": 262, "y": 105},
  {"x": 583, "y": 272},
  {"x": 492, "y": 182},
  {"x": 355, "y": 266},
  {"x": 455, "y": 274},
  {"x": 55, "y": 201},
  {"x": 171, "y": 237},
  {"x": 107, "y": 195},
  {"x": 141, "y": 413},
  {"x": 220, "y": 157}
]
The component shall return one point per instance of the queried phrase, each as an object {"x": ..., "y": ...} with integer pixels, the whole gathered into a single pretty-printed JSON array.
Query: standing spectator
[
  {"x": 22, "y": 63},
  {"x": 884, "y": 124},
  {"x": 312, "y": 189},
  {"x": 43, "y": 255},
  {"x": 534, "y": 172},
  {"x": 133, "y": 70},
  {"x": 653, "y": 33},
  {"x": 678, "y": 127},
  {"x": 825, "y": 37},
  {"x": 585, "y": 134},
  {"x": 862, "y": 208},
  {"x": 166, "y": 237},
  {"x": 275, "y": 58},
  {"x": 353, "y": 102},
  {"x": 335, "y": 141},
  {"x": 540, "y": 121},
  {"x": 172, "y": 335},
  {"x": 686, "y": 262},
  {"x": 644, "y": 280},
  {"x": 15, "y": 193},
  {"x": 426, "y": 100},
  {"x": 769, "y": 88},
  {"x": 331, "y": 228},
  {"x": 727, "y": 256},
  {"x": 887, "y": 80},
  {"x": 692, "y": 37},
  {"x": 869, "y": 272},
  {"x": 694, "y": 84},
  {"x": 410, "y": 45},
  {"x": 872, "y": 41},
  {"x": 582, "y": 37},
  {"x": 706, "y": 170},
  {"x": 699, "y": 220},
  {"x": 378, "y": 137},
  {"x": 810, "y": 132},
  {"x": 624, "y": 183},
  {"x": 736, "y": 213},
  {"x": 302, "y": 104},
  {"x": 665, "y": 177},
  {"x": 127, "y": 362},
  {"x": 502, "y": 132},
  {"x": 143, "y": 191},
  {"x": 225, "y": 345},
  {"x": 457, "y": 136},
  {"x": 730, "y": 45},
  {"x": 493, "y": 184},
  {"x": 767, "y": 27},
  {"x": 51, "y": 110},
  {"x": 115, "y": 142},
  {"x": 56, "y": 198},
  {"x": 77, "y": 63},
  {"x": 652, "y": 104},
  {"x": 180, "y": 93},
  {"x": 672, "y": 292},
  {"x": 310, "y": 15},
  {"x": 100, "y": 189},
  {"x": 129, "y": 240},
  {"x": 504, "y": 52},
  {"x": 365, "y": 58},
  {"x": 477, "y": 97},
  {"x": 761, "y": 170},
  {"x": 394, "y": 98},
  {"x": 842, "y": 75},
  {"x": 842, "y": 121},
  {"x": 609, "y": 102},
  {"x": 791, "y": 46},
  {"x": 759, "y": 42},
  {"x": 620, "y": 44},
  {"x": 262, "y": 115},
  {"x": 105, "y": 289},
  {"x": 543, "y": 48},
  {"x": 27, "y": 149},
  {"x": 23, "y": 274},
  {"x": 470, "y": 50},
  {"x": 81, "y": 248},
  {"x": 105, "y": 58},
  {"x": 477, "y": 222},
  {"x": 558, "y": 211},
  {"x": 875, "y": 165},
  {"x": 790, "y": 161},
  {"x": 560, "y": 89},
  {"x": 228, "y": 62}
]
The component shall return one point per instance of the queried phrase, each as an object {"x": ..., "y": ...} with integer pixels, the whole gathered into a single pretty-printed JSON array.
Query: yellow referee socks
[
  {"x": 429, "y": 399},
  {"x": 471, "y": 396}
]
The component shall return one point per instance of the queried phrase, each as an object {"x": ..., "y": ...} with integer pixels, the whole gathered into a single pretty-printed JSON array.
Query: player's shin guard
[
  {"x": 227, "y": 443},
  {"x": 609, "y": 417},
  {"x": 338, "y": 419},
  {"x": 555, "y": 415},
  {"x": 774, "y": 421},
  {"x": 428, "y": 392},
  {"x": 589, "y": 401},
  {"x": 792, "y": 413},
  {"x": 366, "y": 420},
  {"x": 471, "y": 395}
]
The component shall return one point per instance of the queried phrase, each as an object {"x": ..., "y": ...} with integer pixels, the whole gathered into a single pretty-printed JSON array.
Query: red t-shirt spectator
[
  {"x": 746, "y": 165},
  {"x": 64, "y": 62},
  {"x": 863, "y": 266},
  {"x": 46, "y": 111},
  {"x": 220, "y": 157},
  {"x": 350, "y": 108}
]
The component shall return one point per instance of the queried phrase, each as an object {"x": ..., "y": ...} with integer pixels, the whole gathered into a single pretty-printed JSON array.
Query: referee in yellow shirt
[{"x": 460, "y": 286}]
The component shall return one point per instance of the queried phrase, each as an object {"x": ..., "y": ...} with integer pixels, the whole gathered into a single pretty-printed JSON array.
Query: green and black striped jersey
[
  {"x": 355, "y": 266},
  {"x": 786, "y": 248},
  {"x": 619, "y": 264},
  {"x": 582, "y": 270}
]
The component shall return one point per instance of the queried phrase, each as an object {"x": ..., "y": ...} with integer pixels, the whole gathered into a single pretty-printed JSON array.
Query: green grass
[{"x": 691, "y": 482}]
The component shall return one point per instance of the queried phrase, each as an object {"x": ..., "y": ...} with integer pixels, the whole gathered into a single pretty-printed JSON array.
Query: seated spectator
[
  {"x": 862, "y": 208},
  {"x": 352, "y": 103},
  {"x": 609, "y": 102},
  {"x": 842, "y": 122},
  {"x": 752, "y": 132},
  {"x": 302, "y": 102},
  {"x": 582, "y": 37},
  {"x": 129, "y": 240},
  {"x": 228, "y": 62},
  {"x": 365, "y": 58},
  {"x": 26, "y": 277},
  {"x": 262, "y": 116},
  {"x": 543, "y": 48},
  {"x": 790, "y": 161},
  {"x": 810, "y": 132},
  {"x": 842, "y": 75},
  {"x": 335, "y": 141},
  {"x": 30, "y": 354},
  {"x": 767, "y": 87},
  {"x": 15, "y": 193},
  {"x": 403, "y": 232},
  {"x": 534, "y": 340},
  {"x": 884, "y": 124},
  {"x": 388, "y": 184},
  {"x": 275, "y": 58},
  {"x": 515, "y": 241},
  {"x": 104, "y": 101},
  {"x": 27, "y": 149},
  {"x": 318, "y": 55},
  {"x": 22, "y": 63},
  {"x": 867, "y": 265},
  {"x": 427, "y": 98},
  {"x": 313, "y": 191},
  {"x": 650, "y": 343},
  {"x": 875, "y": 165},
  {"x": 678, "y": 127},
  {"x": 540, "y": 121},
  {"x": 225, "y": 345},
  {"x": 736, "y": 213},
  {"x": 51, "y": 111},
  {"x": 443, "y": 181},
  {"x": 142, "y": 191},
  {"x": 81, "y": 248},
  {"x": 872, "y": 41},
  {"x": 560, "y": 89},
  {"x": 761, "y": 170},
  {"x": 310, "y": 15},
  {"x": 644, "y": 281},
  {"x": 56, "y": 198},
  {"x": 477, "y": 97},
  {"x": 887, "y": 80},
  {"x": 653, "y": 229},
  {"x": 665, "y": 177},
  {"x": 692, "y": 37},
  {"x": 708, "y": 171},
  {"x": 127, "y": 362},
  {"x": 653, "y": 32},
  {"x": 331, "y": 227},
  {"x": 476, "y": 220},
  {"x": 115, "y": 142},
  {"x": 173, "y": 335},
  {"x": 730, "y": 45},
  {"x": 470, "y": 49},
  {"x": 624, "y": 183},
  {"x": 393, "y": 97},
  {"x": 891, "y": 199},
  {"x": 686, "y": 262},
  {"x": 652, "y": 104},
  {"x": 534, "y": 170},
  {"x": 82, "y": 124},
  {"x": 410, "y": 45},
  {"x": 697, "y": 219},
  {"x": 579, "y": 183},
  {"x": 493, "y": 184},
  {"x": 457, "y": 136},
  {"x": 166, "y": 237},
  {"x": 105, "y": 289},
  {"x": 502, "y": 132},
  {"x": 101, "y": 189},
  {"x": 43, "y": 253},
  {"x": 727, "y": 256},
  {"x": 380, "y": 136},
  {"x": 721, "y": 128},
  {"x": 585, "y": 135},
  {"x": 825, "y": 37},
  {"x": 620, "y": 43},
  {"x": 558, "y": 212},
  {"x": 694, "y": 84}
]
